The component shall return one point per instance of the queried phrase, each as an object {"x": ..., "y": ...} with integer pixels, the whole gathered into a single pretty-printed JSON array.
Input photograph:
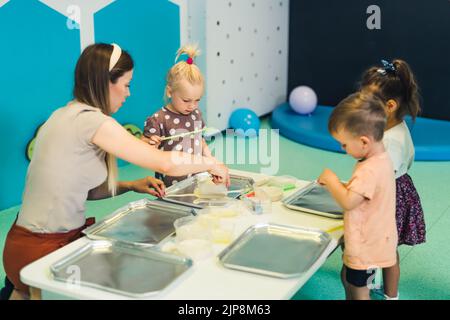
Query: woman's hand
[
  {"x": 328, "y": 177},
  {"x": 220, "y": 174},
  {"x": 149, "y": 185},
  {"x": 153, "y": 140}
]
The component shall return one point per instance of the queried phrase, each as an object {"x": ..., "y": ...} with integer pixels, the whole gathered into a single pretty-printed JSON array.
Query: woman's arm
[
  {"x": 148, "y": 185},
  {"x": 205, "y": 150},
  {"x": 102, "y": 192},
  {"x": 114, "y": 139}
]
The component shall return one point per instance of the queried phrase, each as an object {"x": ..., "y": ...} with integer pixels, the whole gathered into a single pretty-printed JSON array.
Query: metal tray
[
  {"x": 119, "y": 268},
  {"x": 142, "y": 223},
  {"x": 275, "y": 250},
  {"x": 188, "y": 186},
  {"x": 315, "y": 199}
]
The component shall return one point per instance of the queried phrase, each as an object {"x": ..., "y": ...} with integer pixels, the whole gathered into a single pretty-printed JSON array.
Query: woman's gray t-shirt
[{"x": 65, "y": 165}]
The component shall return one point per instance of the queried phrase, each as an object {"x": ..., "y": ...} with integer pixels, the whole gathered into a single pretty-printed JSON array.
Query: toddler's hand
[
  {"x": 327, "y": 177},
  {"x": 153, "y": 140}
]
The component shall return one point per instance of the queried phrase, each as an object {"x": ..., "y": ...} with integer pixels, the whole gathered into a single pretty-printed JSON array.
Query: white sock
[{"x": 386, "y": 297}]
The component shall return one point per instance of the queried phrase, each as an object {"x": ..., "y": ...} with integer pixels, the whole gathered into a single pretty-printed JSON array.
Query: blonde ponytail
[
  {"x": 111, "y": 164},
  {"x": 191, "y": 50},
  {"x": 184, "y": 69}
]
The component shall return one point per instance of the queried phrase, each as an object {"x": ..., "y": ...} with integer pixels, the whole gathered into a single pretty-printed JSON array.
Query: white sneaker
[
  {"x": 379, "y": 293},
  {"x": 386, "y": 297}
]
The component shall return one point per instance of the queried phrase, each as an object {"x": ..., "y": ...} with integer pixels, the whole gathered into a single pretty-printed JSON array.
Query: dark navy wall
[{"x": 330, "y": 46}]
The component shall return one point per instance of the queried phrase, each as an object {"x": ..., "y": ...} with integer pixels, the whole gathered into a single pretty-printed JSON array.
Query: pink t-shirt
[{"x": 370, "y": 231}]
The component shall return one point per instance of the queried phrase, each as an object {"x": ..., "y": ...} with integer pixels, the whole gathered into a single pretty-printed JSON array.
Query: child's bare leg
[
  {"x": 35, "y": 294},
  {"x": 391, "y": 278},
  {"x": 348, "y": 295},
  {"x": 17, "y": 295},
  {"x": 359, "y": 293}
]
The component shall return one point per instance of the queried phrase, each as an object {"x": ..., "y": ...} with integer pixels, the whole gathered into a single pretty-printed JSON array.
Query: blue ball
[{"x": 245, "y": 122}]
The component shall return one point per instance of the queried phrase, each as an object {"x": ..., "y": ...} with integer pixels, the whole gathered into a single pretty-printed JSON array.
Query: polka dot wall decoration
[{"x": 244, "y": 58}]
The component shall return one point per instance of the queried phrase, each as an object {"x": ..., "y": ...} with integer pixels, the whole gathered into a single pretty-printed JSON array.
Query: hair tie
[
  {"x": 190, "y": 60},
  {"x": 115, "y": 56},
  {"x": 387, "y": 68}
]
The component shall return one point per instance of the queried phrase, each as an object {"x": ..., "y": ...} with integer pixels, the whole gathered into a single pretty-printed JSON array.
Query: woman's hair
[
  {"x": 92, "y": 77},
  {"x": 361, "y": 114},
  {"x": 184, "y": 69},
  {"x": 394, "y": 81}
]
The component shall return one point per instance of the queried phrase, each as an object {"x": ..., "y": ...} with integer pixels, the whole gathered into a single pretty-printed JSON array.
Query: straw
[
  {"x": 341, "y": 226},
  {"x": 194, "y": 195},
  {"x": 186, "y": 134}
]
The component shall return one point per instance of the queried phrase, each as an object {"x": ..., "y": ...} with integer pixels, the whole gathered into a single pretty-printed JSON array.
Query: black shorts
[
  {"x": 358, "y": 278},
  {"x": 6, "y": 292}
]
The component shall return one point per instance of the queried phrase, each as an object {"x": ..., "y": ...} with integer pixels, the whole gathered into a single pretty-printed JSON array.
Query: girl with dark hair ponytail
[{"x": 396, "y": 85}]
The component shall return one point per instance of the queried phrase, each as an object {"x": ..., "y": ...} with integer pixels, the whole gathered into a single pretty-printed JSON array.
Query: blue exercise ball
[
  {"x": 245, "y": 122},
  {"x": 303, "y": 100}
]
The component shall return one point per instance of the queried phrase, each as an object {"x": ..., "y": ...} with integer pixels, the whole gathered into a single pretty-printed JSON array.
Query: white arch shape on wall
[
  {"x": 183, "y": 5},
  {"x": 82, "y": 12},
  {"x": 3, "y": 2}
]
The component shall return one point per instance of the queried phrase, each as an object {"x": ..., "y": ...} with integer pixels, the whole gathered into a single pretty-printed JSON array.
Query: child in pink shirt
[{"x": 368, "y": 199}]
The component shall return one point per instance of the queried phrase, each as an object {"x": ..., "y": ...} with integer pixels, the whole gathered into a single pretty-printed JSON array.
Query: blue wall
[{"x": 38, "y": 54}]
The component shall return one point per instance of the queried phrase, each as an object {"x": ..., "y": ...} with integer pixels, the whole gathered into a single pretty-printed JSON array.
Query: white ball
[{"x": 303, "y": 100}]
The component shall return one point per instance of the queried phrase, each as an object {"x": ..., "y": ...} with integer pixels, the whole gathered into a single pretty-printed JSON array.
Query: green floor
[{"x": 424, "y": 269}]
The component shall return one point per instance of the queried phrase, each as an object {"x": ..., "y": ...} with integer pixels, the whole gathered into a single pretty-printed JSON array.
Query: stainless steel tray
[
  {"x": 119, "y": 268},
  {"x": 315, "y": 199},
  {"x": 188, "y": 186},
  {"x": 275, "y": 250},
  {"x": 143, "y": 223}
]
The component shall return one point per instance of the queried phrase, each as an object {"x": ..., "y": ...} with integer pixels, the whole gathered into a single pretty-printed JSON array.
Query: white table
[{"x": 206, "y": 279}]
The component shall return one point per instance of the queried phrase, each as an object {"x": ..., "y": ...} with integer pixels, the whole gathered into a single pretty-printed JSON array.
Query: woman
[{"x": 74, "y": 161}]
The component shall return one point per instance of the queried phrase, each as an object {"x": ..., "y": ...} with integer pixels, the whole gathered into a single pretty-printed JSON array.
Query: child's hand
[
  {"x": 153, "y": 140},
  {"x": 327, "y": 177},
  {"x": 149, "y": 185}
]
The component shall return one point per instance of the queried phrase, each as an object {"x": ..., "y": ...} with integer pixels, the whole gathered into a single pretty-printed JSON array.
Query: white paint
[{"x": 84, "y": 16}]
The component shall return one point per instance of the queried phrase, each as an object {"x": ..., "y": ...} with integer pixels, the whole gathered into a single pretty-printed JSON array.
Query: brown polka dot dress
[{"x": 166, "y": 123}]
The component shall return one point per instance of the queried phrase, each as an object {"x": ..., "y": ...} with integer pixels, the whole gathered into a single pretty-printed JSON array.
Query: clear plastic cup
[
  {"x": 269, "y": 192},
  {"x": 258, "y": 206},
  {"x": 187, "y": 228},
  {"x": 196, "y": 249},
  {"x": 224, "y": 233},
  {"x": 221, "y": 220}
]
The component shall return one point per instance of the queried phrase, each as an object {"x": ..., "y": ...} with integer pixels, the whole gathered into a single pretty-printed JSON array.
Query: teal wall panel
[
  {"x": 150, "y": 31},
  {"x": 38, "y": 53}
]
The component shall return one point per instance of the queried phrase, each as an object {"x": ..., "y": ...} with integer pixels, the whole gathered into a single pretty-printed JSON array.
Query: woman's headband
[{"x": 115, "y": 56}]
